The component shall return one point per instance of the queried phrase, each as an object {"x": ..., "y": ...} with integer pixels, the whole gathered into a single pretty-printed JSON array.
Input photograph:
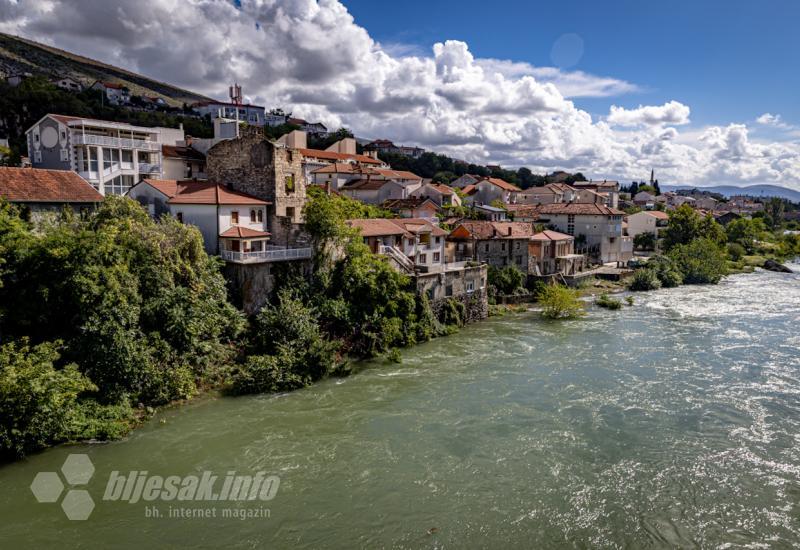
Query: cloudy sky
[{"x": 609, "y": 88}]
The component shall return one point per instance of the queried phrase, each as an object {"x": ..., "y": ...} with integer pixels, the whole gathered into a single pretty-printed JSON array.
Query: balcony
[
  {"x": 121, "y": 143},
  {"x": 272, "y": 254},
  {"x": 147, "y": 168}
]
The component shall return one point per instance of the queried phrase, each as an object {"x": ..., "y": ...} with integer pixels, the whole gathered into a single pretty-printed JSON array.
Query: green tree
[
  {"x": 506, "y": 280},
  {"x": 645, "y": 241},
  {"x": 686, "y": 225},
  {"x": 745, "y": 231},
  {"x": 644, "y": 279},
  {"x": 700, "y": 261},
  {"x": 560, "y": 302}
]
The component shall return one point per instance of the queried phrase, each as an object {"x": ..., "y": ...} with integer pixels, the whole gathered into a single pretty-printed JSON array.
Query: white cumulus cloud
[{"x": 311, "y": 57}]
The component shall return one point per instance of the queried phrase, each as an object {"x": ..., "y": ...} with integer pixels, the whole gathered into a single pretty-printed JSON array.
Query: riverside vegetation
[{"x": 107, "y": 315}]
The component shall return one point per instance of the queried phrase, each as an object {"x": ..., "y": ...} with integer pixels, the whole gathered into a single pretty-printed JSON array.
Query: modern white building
[
  {"x": 252, "y": 114},
  {"x": 111, "y": 156}
]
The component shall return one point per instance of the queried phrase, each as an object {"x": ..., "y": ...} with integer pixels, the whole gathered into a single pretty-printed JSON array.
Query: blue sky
[{"x": 730, "y": 60}]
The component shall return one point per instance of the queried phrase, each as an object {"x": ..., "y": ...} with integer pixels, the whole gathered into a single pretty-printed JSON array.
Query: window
[
  {"x": 37, "y": 156},
  {"x": 486, "y": 247},
  {"x": 517, "y": 245},
  {"x": 502, "y": 246},
  {"x": 437, "y": 257},
  {"x": 260, "y": 215},
  {"x": 290, "y": 211},
  {"x": 423, "y": 258},
  {"x": 519, "y": 260},
  {"x": 470, "y": 286},
  {"x": 179, "y": 216},
  {"x": 64, "y": 155},
  {"x": 448, "y": 291},
  {"x": 36, "y": 138},
  {"x": 63, "y": 135},
  {"x": 290, "y": 184},
  {"x": 252, "y": 216},
  {"x": 438, "y": 240},
  {"x": 234, "y": 217}
]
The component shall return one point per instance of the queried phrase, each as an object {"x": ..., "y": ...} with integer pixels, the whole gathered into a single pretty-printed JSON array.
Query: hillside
[
  {"x": 20, "y": 55},
  {"x": 751, "y": 190}
]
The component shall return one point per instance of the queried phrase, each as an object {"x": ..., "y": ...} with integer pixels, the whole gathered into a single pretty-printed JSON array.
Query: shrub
[
  {"x": 559, "y": 302},
  {"x": 506, "y": 280},
  {"x": 38, "y": 401},
  {"x": 264, "y": 374},
  {"x": 606, "y": 301},
  {"x": 736, "y": 251},
  {"x": 644, "y": 279},
  {"x": 701, "y": 261}
]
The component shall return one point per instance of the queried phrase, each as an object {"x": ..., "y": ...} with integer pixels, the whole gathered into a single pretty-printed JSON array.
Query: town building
[
  {"x": 251, "y": 114},
  {"x": 547, "y": 194},
  {"x": 442, "y": 195},
  {"x": 465, "y": 180},
  {"x": 489, "y": 190},
  {"x": 270, "y": 171},
  {"x": 499, "y": 244},
  {"x": 45, "y": 193},
  {"x": 182, "y": 162},
  {"x": 647, "y": 221},
  {"x": 597, "y": 229},
  {"x": 491, "y": 213},
  {"x": 522, "y": 212},
  {"x": 68, "y": 84},
  {"x": 606, "y": 187},
  {"x": 111, "y": 156},
  {"x": 551, "y": 253},
  {"x": 412, "y": 208},
  {"x": 113, "y": 92},
  {"x": 387, "y": 147}
]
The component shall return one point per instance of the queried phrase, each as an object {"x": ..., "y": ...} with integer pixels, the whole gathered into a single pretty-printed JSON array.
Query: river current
[{"x": 671, "y": 423}]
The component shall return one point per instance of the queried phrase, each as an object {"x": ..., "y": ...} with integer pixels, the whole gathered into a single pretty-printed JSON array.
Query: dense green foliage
[
  {"x": 644, "y": 279},
  {"x": 700, "y": 261},
  {"x": 645, "y": 241},
  {"x": 138, "y": 305},
  {"x": 686, "y": 225},
  {"x": 505, "y": 280},
  {"x": 560, "y": 302}
]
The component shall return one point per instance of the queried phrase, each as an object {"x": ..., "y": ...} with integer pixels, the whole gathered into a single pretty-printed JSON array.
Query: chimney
[
  {"x": 328, "y": 187},
  {"x": 509, "y": 230}
]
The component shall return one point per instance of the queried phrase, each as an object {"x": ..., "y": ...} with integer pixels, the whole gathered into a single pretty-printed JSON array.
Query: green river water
[{"x": 672, "y": 423}]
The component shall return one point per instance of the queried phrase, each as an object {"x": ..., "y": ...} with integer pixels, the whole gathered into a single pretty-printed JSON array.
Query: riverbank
[{"x": 640, "y": 427}]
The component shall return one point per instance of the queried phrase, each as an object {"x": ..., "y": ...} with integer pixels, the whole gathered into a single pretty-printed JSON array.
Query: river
[{"x": 671, "y": 423}]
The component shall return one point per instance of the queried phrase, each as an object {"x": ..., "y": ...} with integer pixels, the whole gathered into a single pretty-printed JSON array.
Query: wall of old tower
[{"x": 252, "y": 164}]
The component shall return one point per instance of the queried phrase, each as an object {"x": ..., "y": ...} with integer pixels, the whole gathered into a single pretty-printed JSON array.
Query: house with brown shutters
[
  {"x": 499, "y": 244},
  {"x": 42, "y": 193}
]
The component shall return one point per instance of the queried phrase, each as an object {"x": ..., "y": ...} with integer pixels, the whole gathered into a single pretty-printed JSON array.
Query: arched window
[
  {"x": 252, "y": 216},
  {"x": 260, "y": 216}
]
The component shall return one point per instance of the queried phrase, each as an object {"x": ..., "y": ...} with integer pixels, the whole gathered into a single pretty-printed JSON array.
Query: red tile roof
[
  {"x": 363, "y": 185},
  {"x": 242, "y": 232},
  {"x": 502, "y": 184},
  {"x": 483, "y": 230},
  {"x": 377, "y": 227},
  {"x": 549, "y": 235},
  {"x": 331, "y": 155},
  {"x": 201, "y": 192},
  {"x": 443, "y": 189},
  {"x": 420, "y": 225},
  {"x": 585, "y": 209},
  {"x": 38, "y": 185},
  {"x": 658, "y": 214},
  {"x": 469, "y": 189}
]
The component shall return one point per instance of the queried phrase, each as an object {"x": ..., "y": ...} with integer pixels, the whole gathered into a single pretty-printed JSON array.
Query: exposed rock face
[{"x": 772, "y": 265}]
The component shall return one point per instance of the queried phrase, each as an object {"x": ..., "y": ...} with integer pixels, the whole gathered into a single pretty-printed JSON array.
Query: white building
[
  {"x": 597, "y": 229},
  {"x": 112, "y": 156},
  {"x": 252, "y": 114},
  {"x": 647, "y": 221},
  {"x": 116, "y": 94}
]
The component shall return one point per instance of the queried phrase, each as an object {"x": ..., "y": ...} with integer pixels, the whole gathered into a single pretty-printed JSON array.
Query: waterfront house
[
  {"x": 411, "y": 243},
  {"x": 597, "y": 229},
  {"x": 111, "y": 156},
  {"x": 496, "y": 243},
  {"x": 647, "y": 221},
  {"x": 551, "y": 252},
  {"x": 42, "y": 192}
]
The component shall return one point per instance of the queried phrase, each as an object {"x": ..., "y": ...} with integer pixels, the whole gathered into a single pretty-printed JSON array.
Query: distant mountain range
[
  {"x": 751, "y": 190},
  {"x": 20, "y": 55}
]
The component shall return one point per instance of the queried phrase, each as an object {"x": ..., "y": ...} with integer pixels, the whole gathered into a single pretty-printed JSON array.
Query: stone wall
[
  {"x": 441, "y": 287},
  {"x": 250, "y": 285},
  {"x": 254, "y": 165}
]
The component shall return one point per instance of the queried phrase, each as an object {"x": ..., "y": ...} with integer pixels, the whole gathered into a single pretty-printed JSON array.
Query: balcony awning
[{"x": 237, "y": 232}]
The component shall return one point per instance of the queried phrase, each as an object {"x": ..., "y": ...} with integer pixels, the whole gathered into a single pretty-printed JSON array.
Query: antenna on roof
[{"x": 235, "y": 93}]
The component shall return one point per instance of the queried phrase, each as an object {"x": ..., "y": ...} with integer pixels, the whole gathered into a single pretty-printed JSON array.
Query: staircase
[{"x": 400, "y": 259}]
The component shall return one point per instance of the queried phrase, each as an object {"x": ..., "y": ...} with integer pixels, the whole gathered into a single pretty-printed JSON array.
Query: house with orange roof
[
  {"x": 42, "y": 192},
  {"x": 553, "y": 253},
  {"x": 547, "y": 194},
  {"x": 442, "y": 195},
  {"x": 497, "y": 243},
  {"x": 233, "y": 224},
  {"x": 489, "y": 190},
  {"x": 114, "y": 92}
]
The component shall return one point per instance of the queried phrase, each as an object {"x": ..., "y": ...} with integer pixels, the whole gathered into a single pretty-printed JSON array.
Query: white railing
[
  {"x": 272, "y": 254},
  {"x": 122, "y": 143},
  {"x": 394, "y": 253},
  {"x": 147, "y": 168}
]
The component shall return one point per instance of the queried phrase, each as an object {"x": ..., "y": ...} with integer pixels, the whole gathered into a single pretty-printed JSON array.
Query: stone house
[
  {"x": 412, "y": 208},
  {"x": 552, "y": 252},
  {"x": 45, "y": 193},
  {"x": 253, "y": 165},
  {"x": 499, "y": 244}
]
